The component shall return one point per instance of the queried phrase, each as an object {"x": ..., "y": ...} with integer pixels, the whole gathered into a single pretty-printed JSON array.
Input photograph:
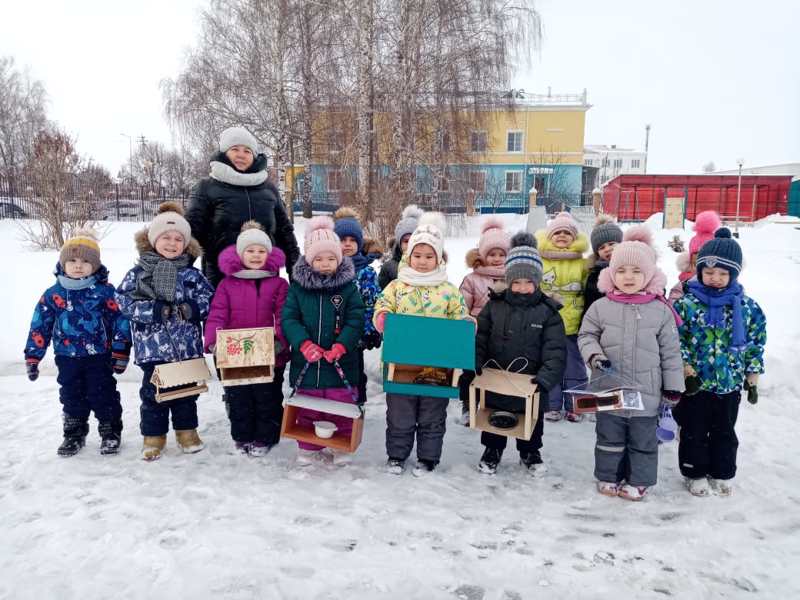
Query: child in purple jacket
[{"x": 252, "y": 295}]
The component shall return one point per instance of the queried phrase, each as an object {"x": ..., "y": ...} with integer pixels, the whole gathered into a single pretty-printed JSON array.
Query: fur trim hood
[
  {"x": 544, "y": 244},
  {"x": 229, "y": 261},
  {"x": 143, "y": 245},
  {"x": 307, "y": 278}
]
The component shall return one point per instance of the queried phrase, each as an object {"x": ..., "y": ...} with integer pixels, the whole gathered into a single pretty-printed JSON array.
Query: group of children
[{"x": 538, "y": 306}]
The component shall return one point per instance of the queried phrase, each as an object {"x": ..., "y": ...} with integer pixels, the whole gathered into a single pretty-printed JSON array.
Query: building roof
[{"x": 792, "y": 169}]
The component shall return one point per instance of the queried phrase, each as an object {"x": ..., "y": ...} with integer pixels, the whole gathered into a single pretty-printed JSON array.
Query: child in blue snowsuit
[
  {"x": 90, "y": 339},
  {"x": 167, "y": 300}
]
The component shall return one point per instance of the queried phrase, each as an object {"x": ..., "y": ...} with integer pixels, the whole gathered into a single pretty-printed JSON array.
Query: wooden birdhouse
[
  {"x": 180, "y": 379},
  {"x": 510, "y": 386},
  {"x": 290, "y": 428},
  {"x": 424, "y": 356},
  {"x": 246, "y": 356}
]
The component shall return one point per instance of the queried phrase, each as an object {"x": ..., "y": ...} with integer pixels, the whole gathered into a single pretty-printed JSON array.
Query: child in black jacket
[{"x": 520, "y": 329}]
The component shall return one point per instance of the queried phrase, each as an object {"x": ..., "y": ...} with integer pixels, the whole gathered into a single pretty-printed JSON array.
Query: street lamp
[
  {"x": 740, "y": 162},
  {"x": 130, "y": 156}
]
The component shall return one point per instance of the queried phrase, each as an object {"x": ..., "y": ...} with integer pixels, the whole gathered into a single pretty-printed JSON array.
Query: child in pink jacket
[{"x": 252, "y": 294}]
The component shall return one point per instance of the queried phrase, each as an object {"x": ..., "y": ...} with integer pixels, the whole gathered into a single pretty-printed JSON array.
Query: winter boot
[
  {"x": 243, "y": 447},
  {"x": 75, "y": 431},
  {"x": 110, "y": 436},
  {"x": 721, "y": 487},
  {"x": 339, "y": 458},
  {"x": 533, "y": 462},
  {"x": 552, "y": 415},
  {"x": 698, "y": 487},
  {"x": 395, "y": 466},
  {"x": 260, "y": 449},
  {"x": 490, "y": 460},
  {"x": 633, "y": 493},
  {"x": 189, "y": 441},
  {"x": 307, "y": 458},
  {"x": 424, "y": 467},
  {"x": 608, "y": 488},
  {"x": 573, "y": 417},
  {"x": 153, "y": 446}
]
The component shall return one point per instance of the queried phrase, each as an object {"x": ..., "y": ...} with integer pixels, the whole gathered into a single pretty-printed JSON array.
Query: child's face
[
  {"x": 241, "y": 157},
  {"x": 629, "y": 279},
  {"x": 349, "y": 245},
  {"x": 254, "y": 256},
  {"x": 715, "y": 278},
  {"x": 496, "y": 257},
  {"x": 562, "y": 238},
  {"x": 404, "y": 242},
  {"x": 77, "y": 268},
  {"x": 325, "y": 263},
  {"x": 523, "y": 286},
  {"x": 605, "y": 251},
  {"x": 423, "y": 258},
  {"x": 170, "y": 244}
]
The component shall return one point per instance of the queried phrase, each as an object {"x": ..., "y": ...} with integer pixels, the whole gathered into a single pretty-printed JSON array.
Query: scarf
[
  {"x": 491, "y": 272},
  {"x": 254, "y": 274},
  {"x": 68, "y": 283},
  {"x": 159, "y": 276},
  {"x": 560, "y": 254},
  {"x": 643, "y": 298},
  {"x": 361, "y": 261},
  {"x": 413, "y": 277},
  {"x": 716, "y": 301}
]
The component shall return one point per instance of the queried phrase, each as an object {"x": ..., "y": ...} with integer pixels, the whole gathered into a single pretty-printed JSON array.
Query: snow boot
[
  {"x": 632, "y": 493},
  {"x": 533, "y": 462},
  {"x": 189, "y": 441},
  {"x": 552, "y": 415},
  {"x": 306, "y": 458},
  {"x": 243, "y": 447},
  {"x": 698, "y": 487},
  {"x": 608, "y": 488},
  {"x": 424, "y": 467},
  {"x": 75, "y": 431},
  {"x": 490, "y": 461},
  {"x": 339, "y": 458},
  {"x": 573, "y": 417},
  {"x": 110, "y": 436},
  {"x": 395, "y": 466},
  {"x": 153, "y": 446},
  {"x": 260, "y": 449},
  {"x": 721, "y": 487}
]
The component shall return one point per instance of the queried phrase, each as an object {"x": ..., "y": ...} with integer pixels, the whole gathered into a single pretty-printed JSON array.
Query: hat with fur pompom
[
  {"x": 253, "y": 234},
  {"x": 320, "y": 237},
  {"x": 636, "y": 250},
  {"x": 81, "y": 244},
  {"x": 492, "y": 236},
  {"x": 430, "y": 231},
  {"x": 169, "y": 218},
  {"x": 346, "y": 224},
  {"x": 705, "y": 224},
  {"x": 523, "y": 260},
  {"x": 605, "y": 230},
  {"x": 407, "y": 223}
]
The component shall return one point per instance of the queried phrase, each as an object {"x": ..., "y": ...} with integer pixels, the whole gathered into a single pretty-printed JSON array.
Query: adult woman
[{"x": 237, "y": 191}]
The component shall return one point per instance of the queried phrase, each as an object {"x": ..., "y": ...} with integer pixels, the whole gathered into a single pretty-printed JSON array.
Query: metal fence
[{"x": 24, "y": 198}]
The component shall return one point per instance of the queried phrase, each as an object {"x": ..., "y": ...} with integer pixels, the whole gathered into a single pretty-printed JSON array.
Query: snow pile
[{"x": 221, "y": 525}]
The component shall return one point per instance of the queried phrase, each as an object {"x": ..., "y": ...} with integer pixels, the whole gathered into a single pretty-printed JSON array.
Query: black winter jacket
[
  {"x": 389, "y": 269},
  {"x": 522, "y": 325},
  {"x": 590, "y": 291},
  {"x": 220, "y": 204}
]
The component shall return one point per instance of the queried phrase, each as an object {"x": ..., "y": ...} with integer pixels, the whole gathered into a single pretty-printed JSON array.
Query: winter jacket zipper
[
  {"x": 319, "y": 337},
  {"x": 249, "y": 203}
]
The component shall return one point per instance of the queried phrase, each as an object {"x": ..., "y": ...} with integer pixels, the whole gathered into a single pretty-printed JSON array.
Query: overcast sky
[{"x": 716, "y": 79}]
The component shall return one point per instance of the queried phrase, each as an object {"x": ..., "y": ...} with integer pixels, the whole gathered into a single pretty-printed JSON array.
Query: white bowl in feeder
[{"x": 324, "y": 429}]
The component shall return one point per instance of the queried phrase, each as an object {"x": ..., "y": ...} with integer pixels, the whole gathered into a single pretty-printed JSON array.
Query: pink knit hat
[
  {"x": 635, "y": 250},
  {"x": 492, "y": 236},
  {"x": 562, "y": 220},
  {"x": 706, "y": 223},
  {"x": 320, "y": 237}
]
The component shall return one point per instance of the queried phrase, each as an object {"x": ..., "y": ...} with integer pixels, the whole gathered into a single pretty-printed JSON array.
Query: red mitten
[
  {"x": 380, "y": 321},
  {"x": 310, "y": 351},
  {"x": 336, "y": 352}
]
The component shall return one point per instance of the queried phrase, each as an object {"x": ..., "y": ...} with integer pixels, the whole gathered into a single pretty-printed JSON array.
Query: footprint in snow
[
  {"x": 469, "y": 592},
  {"x": 341, "y": 545}
]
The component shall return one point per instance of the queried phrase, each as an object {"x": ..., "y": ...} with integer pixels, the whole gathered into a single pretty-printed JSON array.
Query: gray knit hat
[
  {"x": 237, "y": 136},
  {"x": 407, "y": 223},
  {"x": 252, "y": 234},
  {"x": 605, "y": 230},
  {"x": 523, "y": 261}
]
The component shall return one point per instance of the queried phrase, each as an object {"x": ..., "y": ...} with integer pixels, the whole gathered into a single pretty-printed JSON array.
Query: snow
[{"x": 217, "y": 524}]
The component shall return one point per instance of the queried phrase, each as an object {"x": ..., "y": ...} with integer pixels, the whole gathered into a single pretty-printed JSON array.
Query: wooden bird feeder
[
  {"x": 592, "y": 403},
  {"x": 506, "y": 383},
  {"x": 246, "y": 356},
  {"x": 290, "y": 428},
  {"x": 180, "y": 379}
]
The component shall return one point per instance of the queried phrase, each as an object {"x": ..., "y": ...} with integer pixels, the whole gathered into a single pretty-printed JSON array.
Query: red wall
[{"x": 636, "y": 197}]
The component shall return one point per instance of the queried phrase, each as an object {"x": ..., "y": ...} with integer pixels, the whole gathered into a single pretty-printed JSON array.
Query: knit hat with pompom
[
  {"x": 320, "y": 237},
  {"x": 81, "y": 244},
  {"x": 347, "y": 225},
  {"x": 723, "y": 251},
  {"x": 430, "y": 230},
  {"x": 635, "y": 250},
  {"x": 705, "y": 224},
  {"x": 492, "y": 236},
  {"x": 523, "y": 260},
  {"x": 605, "y": 230},
  {"x": 252, "y": 234},
  {"x": 169, "y": 218},
  {"x": 408, "y": 222},
  {"x": 562, "y": 221}
]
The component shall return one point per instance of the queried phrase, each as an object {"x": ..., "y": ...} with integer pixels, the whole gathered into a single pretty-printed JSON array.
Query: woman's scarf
[
  {"x": 159, "y": 276},
  {"x": 254, "y": 274},
  {"x": 717, "y": 300},
  {"x": 643, "y": 298},
  {"x": 68, "y": 283},
  {"x": 413, "y": 277},
  {"x": 491, "y": 272}
]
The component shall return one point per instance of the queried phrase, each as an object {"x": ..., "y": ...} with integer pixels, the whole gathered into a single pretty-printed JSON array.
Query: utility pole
[
  {"x": 646, "y": 145},
  {"x": 130, "y": 157}
]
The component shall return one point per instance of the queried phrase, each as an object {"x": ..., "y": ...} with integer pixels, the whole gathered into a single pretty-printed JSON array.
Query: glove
[
  {"x": 752, "y": 390},
  {"x": 670, "y": 398},
  {"x": 162, "y": 311},
  {"x": 336, "y": 352},
  {"x": 372, "y": 340},
  {"x": 600, "y": 362},
  {"x": 688, "y": 370},
  {"x": 310, "y": 351},
  {"x": 478, "y": 370},
  {"x": 534, "y": 380},
  {"x": 119, "y": 362},
  {"x": 380, "y": 321},
  {"x": 32, "y": 366},
  {"x": 693, "y": 384}
]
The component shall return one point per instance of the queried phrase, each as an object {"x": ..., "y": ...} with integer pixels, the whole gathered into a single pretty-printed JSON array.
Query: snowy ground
[{"x": 219, "y": 525}]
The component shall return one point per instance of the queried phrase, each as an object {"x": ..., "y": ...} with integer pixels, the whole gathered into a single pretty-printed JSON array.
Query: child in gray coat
[{"x": 634, "y": 331}]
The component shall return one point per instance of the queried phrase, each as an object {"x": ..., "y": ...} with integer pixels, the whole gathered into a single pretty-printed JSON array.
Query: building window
[
  {"x": 589, "y": 162},
  {"x": 514, "y": 141},
  {"x": 513, "y": 181},
  {"x": 477, "y": 181},
  {"x": 442, "y": 184},
  {"x": 635, "y": 163},
  {"x": 604, "y": 164},
  {"x": 617, "y": 163},
  {"x": 477, "y": 141},
  {"x": 444, "y": 141},
  {"x": 334, "y": 180}
]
